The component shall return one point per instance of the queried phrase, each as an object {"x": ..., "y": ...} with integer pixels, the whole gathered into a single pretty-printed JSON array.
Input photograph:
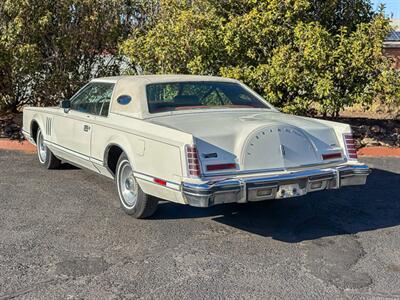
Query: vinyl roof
[{"x": 146, "y": 79}]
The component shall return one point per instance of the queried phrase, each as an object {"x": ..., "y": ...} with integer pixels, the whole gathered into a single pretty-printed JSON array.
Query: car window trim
[
  {"x": 77, "y": 94},
  {"x": 73, "y": 98},
  {"x": 245, "y": 87},
  {"x": 111, "y": 99}
]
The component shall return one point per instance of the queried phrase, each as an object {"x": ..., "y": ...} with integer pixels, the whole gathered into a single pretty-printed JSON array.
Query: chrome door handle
[{"x": 86, "y": 128}]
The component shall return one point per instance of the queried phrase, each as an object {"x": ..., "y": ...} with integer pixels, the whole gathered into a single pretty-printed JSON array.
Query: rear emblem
[{"x": 283, "y": 151}]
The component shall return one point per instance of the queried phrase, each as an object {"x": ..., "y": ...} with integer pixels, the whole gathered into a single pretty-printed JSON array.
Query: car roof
[
  {"x": 147, "y": 79},
  {"x": 134, "y": 86}
]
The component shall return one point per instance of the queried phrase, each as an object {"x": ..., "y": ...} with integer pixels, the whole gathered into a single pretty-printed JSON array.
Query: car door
[{"x": 73, "y": 129}]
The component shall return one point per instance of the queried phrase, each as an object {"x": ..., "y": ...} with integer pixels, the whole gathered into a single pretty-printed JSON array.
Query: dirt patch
[
  {"x": 377, "y": 110},
  {"x": 332, "y": 258},
  {"x": 374, "y": 132},
  {"x": 82, "y": 266},
  {"x": 10, "y": 127},
  {"x": 394, "y": 268}
]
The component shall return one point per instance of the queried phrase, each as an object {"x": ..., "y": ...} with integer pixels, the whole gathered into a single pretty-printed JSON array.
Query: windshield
[{"x": 173, "y": 96}]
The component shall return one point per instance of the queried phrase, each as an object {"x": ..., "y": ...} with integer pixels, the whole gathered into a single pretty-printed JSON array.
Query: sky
[{"x": 392, "y": 6}]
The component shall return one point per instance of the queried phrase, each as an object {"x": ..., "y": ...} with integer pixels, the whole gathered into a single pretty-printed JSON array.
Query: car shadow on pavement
[
  {"x": 346, "y": 211},
  {"x": 67, "y": 166}
]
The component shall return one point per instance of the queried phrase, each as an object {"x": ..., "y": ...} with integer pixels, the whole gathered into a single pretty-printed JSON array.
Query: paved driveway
[{"x": 63, "y": 236}]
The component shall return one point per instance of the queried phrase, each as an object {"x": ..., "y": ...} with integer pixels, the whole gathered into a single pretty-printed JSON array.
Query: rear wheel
[
  {"x": 46, "y": 157},
  {"x": 133, "y": 200}
]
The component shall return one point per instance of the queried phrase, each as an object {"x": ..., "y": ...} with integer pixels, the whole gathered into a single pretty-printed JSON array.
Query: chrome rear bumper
[{"x": 292, "y": 184}]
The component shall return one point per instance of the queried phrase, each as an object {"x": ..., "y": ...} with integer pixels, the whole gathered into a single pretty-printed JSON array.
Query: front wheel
[
  {"x": 46, "y": 157},
  {"x": 133, "y": 200}
]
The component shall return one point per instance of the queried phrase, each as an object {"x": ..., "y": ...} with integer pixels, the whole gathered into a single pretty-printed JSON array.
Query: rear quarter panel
[
  {"x": 340, "y": 129},
  {"x": 153, "y": 150},
  {"x": 35, "y": 114}
]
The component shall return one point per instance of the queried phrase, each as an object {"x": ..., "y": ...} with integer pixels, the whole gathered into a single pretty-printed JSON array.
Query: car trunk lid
[{"x": 255, "y": 140}]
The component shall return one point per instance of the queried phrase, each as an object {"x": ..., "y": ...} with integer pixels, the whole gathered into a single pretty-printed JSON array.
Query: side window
[{"x": 94, "y": 99}]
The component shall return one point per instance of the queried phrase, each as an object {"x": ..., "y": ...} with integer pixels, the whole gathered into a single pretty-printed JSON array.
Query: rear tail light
[
  {"x": 221, "y": 167},
  {"x": 331, "y": 156},
  {"x": 350, "y": 146},
  {"x": 193, "y": 163}
]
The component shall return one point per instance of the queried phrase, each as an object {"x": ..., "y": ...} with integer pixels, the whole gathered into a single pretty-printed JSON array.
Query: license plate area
[
  {"x": 290, "y": 190},
  {"x": 274, "y": 190}
]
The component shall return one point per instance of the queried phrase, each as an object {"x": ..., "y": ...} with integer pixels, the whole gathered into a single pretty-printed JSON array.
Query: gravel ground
[{"x": 63, "y": 236}]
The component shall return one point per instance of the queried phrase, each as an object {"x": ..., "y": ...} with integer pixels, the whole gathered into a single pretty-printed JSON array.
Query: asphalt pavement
[{"x": 63, "y": 236}]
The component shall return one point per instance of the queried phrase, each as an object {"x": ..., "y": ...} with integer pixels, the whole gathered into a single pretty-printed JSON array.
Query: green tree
[
  {"x": 50, "y": 48},
  {"x": 299, "y": 54},
  {"x": 185, "y": 39},
  {"x": 335, "y": 14}
]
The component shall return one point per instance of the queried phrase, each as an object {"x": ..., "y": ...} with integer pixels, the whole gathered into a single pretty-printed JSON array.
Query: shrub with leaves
[
  {"x": 299, "y": 54},
  {"x": 50, "y": 48}
]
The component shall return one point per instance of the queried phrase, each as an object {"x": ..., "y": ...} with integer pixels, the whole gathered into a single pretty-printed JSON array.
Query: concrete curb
[{"x": 27, "y": 147}]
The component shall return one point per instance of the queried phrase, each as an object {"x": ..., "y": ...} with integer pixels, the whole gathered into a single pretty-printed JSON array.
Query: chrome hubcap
[
  {"x": 128, "y": 186},
  {"x": 41, "y": 148}
]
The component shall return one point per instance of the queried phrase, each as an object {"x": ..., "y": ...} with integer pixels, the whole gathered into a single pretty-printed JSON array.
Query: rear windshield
[{"x": 173, "y": 96}]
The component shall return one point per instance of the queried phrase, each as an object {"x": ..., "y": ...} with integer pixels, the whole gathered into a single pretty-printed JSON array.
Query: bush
[
  {"x": 299, "y": 54},
  {"x": 50, "y": 48}
]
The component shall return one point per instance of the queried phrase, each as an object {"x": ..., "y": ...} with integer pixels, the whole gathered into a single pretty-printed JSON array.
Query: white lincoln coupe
[{"x": 193, "y": 140}]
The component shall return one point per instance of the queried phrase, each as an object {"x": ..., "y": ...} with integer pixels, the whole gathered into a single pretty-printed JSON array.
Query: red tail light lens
[
  {"x": 221, "y": 167},
  {"x": 350, "y": 146},
  {"x": 193, "y": 162},
  {"x": 331, "y": 156}
]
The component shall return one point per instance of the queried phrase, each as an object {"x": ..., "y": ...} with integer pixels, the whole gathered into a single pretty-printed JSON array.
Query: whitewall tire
[
  {"x": 45, "y": 156},
  {"x": 133, "y": 200}
]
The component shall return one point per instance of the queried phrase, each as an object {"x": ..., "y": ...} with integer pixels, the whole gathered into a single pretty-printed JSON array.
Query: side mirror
[{"x": 66, "y": 104}]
